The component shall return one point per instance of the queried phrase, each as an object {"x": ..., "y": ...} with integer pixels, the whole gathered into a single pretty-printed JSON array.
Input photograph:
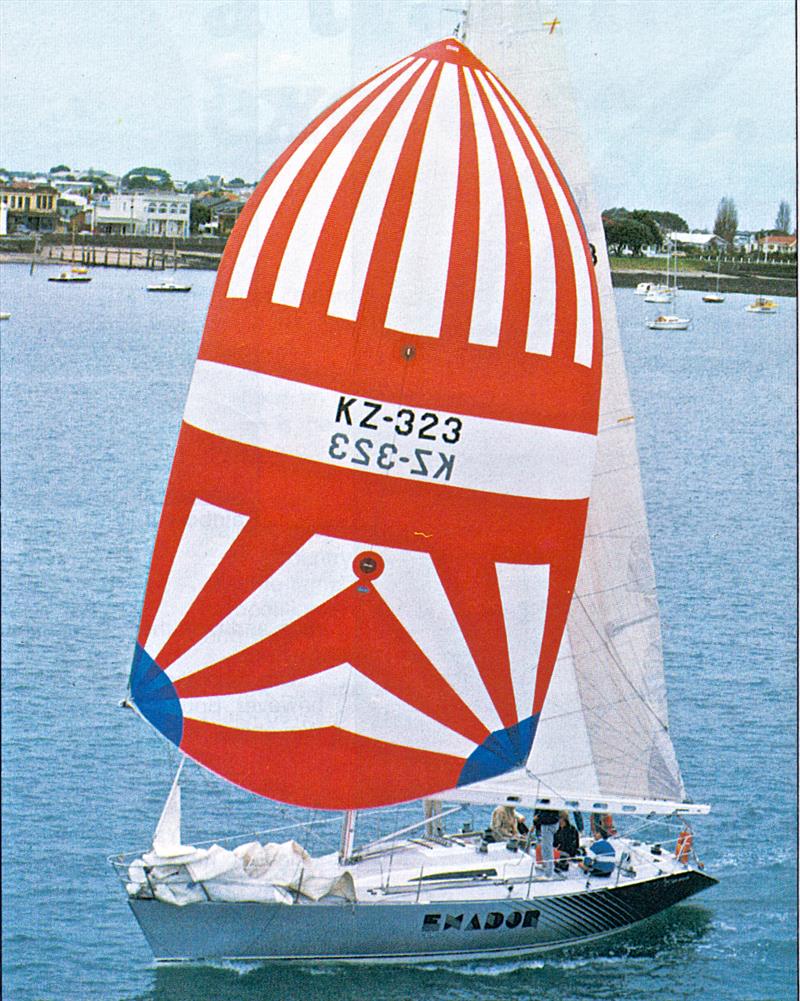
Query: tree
[
  {"x": 198, "y": 214},
  {"x": 783, "y": 220},
  {"x": 622, "y": 232},
  {"x": 670, "y": 222},
  {"x": 727, "y": 220},
  {"x": 650, "y": 224},
  {"x": 153, "y": 178},
  {"x": 62, "y": 168}
]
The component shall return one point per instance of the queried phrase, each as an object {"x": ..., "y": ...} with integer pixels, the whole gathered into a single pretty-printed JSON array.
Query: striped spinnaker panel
[
  {"x": 376, "y": 509},
  {"x": 443, "y": 130}
]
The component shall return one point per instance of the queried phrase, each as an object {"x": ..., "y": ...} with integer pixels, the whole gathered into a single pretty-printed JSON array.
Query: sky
[{"x": 681, "y": 102}]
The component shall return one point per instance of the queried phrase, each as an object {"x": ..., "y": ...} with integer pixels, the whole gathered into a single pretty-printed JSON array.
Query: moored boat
[
  {"x": 69, "y": 276},
  {"x": 761, "y": 304},
  {"x": 658, "y": 293},
  {"x": 169, "y": 287},
  {"x": 668, "y": 322},
  {"x": 715, "y": 296}
]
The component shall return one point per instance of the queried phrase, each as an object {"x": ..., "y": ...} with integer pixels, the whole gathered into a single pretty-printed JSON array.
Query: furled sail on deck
[
  {"x": 603, "y": 734},
  {"x": 374, "y": 519}
]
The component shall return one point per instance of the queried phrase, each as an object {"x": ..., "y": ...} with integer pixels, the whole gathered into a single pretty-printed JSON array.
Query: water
[{"x": 93, "y": 383}]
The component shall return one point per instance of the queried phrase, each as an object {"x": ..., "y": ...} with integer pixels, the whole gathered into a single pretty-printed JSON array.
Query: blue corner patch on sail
[
  {"x": 155, "y": 696},
  {"x": 500, "y": 752}
]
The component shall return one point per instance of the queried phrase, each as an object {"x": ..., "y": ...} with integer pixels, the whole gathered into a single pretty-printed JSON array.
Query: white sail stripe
[
  {"x": 246, "y": 259},
  {"x": 420, "y": 282},
  {"x": 320, "y": 569},
  {"x": 491, "y": 455},
  {"x": 348, "y": 288},
  {"x": 302, "y": 242},
  {"x": 490, "y": 277},
  {"x": 564, "y": 762},
  {"x": 584, "y": 333},
  {"x": 411, "y": 588},
  {"x": 542, "y": 313},
  {"x": 339, "y": 697},
  {"x": 523, "y": 595},
  {"x": 208, "y": 534}
]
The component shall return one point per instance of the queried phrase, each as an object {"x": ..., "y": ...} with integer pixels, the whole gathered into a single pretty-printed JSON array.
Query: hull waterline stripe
[{"x": 490, "y": 455}]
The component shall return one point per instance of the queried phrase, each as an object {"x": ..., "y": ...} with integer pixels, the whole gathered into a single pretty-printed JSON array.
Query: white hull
[
  {"x": 449, "y": 914},
  {"x": 678, "y": 324}
]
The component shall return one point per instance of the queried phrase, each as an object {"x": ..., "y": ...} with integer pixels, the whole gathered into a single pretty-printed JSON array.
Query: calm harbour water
[{"x": 93, "y": 384}]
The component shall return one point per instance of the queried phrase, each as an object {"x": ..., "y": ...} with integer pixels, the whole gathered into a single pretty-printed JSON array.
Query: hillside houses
[{"x": 96, "y": 202}]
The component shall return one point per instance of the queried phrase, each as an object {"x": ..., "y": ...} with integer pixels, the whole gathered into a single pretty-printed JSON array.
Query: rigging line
[
  {"x": 614, "y": 656},
  {"x": 618, "y": 587},
  {"x": 583, "y": 710}
]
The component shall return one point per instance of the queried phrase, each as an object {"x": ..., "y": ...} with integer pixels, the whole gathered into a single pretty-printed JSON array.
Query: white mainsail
[{"x": 603, "y": 734}]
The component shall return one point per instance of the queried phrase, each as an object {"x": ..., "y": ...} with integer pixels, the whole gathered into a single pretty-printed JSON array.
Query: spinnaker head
[{"x": 376, "y": 509}]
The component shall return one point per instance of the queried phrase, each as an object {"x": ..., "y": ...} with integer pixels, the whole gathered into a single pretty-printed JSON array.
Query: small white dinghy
[
  {"x": 386, "y": 552},
  {"x": 665, "y": 322}
]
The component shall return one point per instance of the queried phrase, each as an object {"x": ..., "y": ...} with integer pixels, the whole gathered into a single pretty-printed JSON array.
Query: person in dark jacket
[
  {"x": 546, "y": 821},
  {"x": 566, "y": 841}
]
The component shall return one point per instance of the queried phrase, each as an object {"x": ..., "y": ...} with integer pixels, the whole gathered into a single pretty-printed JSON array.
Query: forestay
[{"x": 374, "y": 519}]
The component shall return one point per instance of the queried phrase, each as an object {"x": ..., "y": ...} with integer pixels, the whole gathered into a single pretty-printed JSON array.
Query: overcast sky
[{"x": 681, "y": 102}]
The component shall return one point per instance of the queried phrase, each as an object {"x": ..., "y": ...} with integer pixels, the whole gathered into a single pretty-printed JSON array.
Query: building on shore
[
  {"x": 142, "y": 213},
  {"x": 29, "y": 208},
  {"x": 698, "y": 241},
  {"x": 778, "y": 243}
]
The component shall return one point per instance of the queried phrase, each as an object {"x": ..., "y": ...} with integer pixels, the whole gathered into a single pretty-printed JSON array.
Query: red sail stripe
[
  {"x": 587, "y": 255},
  {"x": 566, "y": 292},
  {"x": 460, "y": 293},
  {"x": 328, "y": 251},
  {"x": 327, "y": 769},
  {"x": 517, "y": 292},
  {"x": 389, "y": 239},
  {"x": 352, "y": 627}
]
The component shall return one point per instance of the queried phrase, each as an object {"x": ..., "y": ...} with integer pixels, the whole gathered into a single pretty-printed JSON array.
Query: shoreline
[
  {"x": 143, "y": 259},
  {"x": 706, "y": 281}
]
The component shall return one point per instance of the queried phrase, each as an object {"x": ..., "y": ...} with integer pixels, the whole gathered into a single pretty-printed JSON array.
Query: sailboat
[
  {"x": 669, "y": 321},
  {"x": 389, "y": 564},
  {"x": 715, "y": 296},
  {"x": 170, "y": 286},
  {"x": 660, "y": 293}
]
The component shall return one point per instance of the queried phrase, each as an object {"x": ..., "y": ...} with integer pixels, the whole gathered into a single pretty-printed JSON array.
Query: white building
[
  {"x": 700, "y": 241},
  {"x": 142, "y": 213}
]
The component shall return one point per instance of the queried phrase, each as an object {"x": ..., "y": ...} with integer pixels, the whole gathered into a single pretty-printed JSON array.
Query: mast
[{"x": 348, "y": 836}]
